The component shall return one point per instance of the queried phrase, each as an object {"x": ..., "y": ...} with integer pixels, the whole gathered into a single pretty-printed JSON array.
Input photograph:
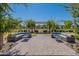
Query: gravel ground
[{"x": 41, "y": 45}]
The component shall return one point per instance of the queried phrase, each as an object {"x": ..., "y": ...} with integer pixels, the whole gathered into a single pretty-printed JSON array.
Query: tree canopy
[{"x": 67, "y": 24}]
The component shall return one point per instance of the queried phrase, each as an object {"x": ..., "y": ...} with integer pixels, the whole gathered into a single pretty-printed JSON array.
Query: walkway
[{"x": 42, "y": 45}]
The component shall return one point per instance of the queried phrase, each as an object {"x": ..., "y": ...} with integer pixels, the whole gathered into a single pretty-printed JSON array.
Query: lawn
[{"x": 34, "y": 34}]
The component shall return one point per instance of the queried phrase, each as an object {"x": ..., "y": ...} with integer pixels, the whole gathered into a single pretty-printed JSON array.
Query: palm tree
[
  {"x": 51, "y": 25},
  {"x": 44, "y": 26},
  {"x": 4, "y": 9},
  {"x": 5, "y": 24},
  {"x": 74, "y": 11},
  {"x": 30, "y": 24},
  {"x": 67, "y": 24}
]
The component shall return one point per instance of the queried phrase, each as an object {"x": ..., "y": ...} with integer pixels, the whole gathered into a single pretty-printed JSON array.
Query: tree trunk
[
  {"x": 34, "y": 30},
  {"x": 75, "y": 28},
  {"x": 1, "y": 40},
  {"x": 49, "y": 29}
]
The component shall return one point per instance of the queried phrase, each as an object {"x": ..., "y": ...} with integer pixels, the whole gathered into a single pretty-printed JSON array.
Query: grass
[
  {"x": 34, "y": 34},
  {"x": 46, "y": 34}
]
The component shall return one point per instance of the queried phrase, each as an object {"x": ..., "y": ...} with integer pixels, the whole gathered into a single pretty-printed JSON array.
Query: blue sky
[{"x": 41, "y": 12}]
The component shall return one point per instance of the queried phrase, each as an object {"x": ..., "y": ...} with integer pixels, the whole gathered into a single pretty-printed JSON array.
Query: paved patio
[{"x": 41, "y": 45}]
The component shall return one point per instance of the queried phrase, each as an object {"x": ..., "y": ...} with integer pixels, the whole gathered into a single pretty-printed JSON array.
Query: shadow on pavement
[
  {"x": 59, "y": 41},
  {"x": 25, "y": 40}
]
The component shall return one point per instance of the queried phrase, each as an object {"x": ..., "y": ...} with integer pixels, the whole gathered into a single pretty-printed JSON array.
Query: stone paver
[{"x": 42, "y": 45}]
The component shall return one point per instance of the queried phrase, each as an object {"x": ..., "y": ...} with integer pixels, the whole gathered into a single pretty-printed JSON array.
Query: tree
[
  {"x": 67, "y": 24},
  {"x": 4, "y": 9},
  {"x": 6, "y": 24},
  {"x": 44, "y": 26},
  {"x": 51, "y": 25},
  {"x": 9, "y": 23},
  {"x": 74, "y": 11},
  {"x": 30, "y": 24}
]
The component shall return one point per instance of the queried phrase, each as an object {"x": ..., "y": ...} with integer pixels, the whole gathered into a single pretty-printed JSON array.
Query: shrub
[
  {"x": 55, "y": 31},
  {"x": 70, "y": 30},
  {"x": 77, "y": 37},
  {"x": 45, "y": 31},
  {"x": 36, "y": 31},
  {"x": 25, "y": 30}
]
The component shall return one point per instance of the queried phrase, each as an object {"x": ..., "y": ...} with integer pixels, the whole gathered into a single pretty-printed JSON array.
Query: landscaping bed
[
  {"x": 7, "y": 47},
  {"x": 74, "y": 46}
]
